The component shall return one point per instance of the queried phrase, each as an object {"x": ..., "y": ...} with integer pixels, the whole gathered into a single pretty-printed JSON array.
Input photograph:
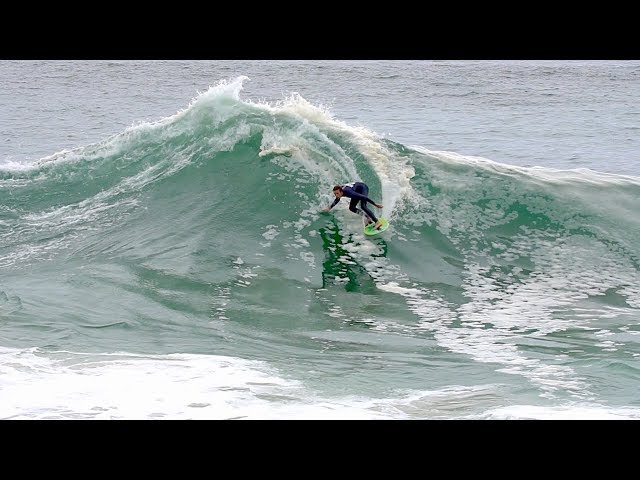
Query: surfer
[{"x": 357, "y": 192}]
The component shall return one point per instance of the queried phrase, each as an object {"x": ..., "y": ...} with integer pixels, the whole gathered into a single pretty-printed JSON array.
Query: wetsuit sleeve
[{"x": 335, "y": 202}]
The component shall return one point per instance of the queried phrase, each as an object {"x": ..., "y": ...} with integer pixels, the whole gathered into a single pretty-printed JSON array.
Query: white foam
[
  {"x": 568, "y": 412},
  {"x": 271, "y": 232},
  {"x": 487, "y": 345},
  {"x": 276, "y": 151},
  {"x": 548, "y": 174},
  {"x": 64, "y": 385},
  {"x": 15, "y": 166}
]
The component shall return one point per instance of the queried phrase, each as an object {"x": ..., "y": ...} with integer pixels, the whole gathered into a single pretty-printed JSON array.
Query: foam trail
[{"x": 487, "y": 346}]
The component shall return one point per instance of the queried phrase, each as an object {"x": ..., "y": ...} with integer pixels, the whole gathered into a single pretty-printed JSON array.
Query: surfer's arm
[{"x": 335, "y": 202}]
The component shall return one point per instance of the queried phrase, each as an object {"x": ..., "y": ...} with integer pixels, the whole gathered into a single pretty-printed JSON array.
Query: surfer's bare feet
[{"x": 378, "y": 225}]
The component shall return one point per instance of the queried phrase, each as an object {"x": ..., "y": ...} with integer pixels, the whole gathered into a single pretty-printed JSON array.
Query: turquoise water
[{"x": 163, "y": 253}]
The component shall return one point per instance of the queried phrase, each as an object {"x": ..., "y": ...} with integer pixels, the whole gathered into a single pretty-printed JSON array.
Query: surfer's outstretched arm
[{"x": 335, "y": 202}]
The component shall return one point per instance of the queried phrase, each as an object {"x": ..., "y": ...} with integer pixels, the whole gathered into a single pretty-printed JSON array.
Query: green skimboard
[{"x": 371, "y": 231}]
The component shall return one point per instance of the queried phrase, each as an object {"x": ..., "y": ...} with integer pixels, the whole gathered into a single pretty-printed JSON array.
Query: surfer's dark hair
[{"x": 337, "y": 187}]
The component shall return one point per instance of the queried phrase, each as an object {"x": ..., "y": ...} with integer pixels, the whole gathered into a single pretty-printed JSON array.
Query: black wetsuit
[{"x": 357, "y": 192}]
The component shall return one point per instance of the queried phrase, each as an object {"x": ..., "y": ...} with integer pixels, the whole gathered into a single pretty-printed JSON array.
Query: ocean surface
[{"x": 163, "y": 254}]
